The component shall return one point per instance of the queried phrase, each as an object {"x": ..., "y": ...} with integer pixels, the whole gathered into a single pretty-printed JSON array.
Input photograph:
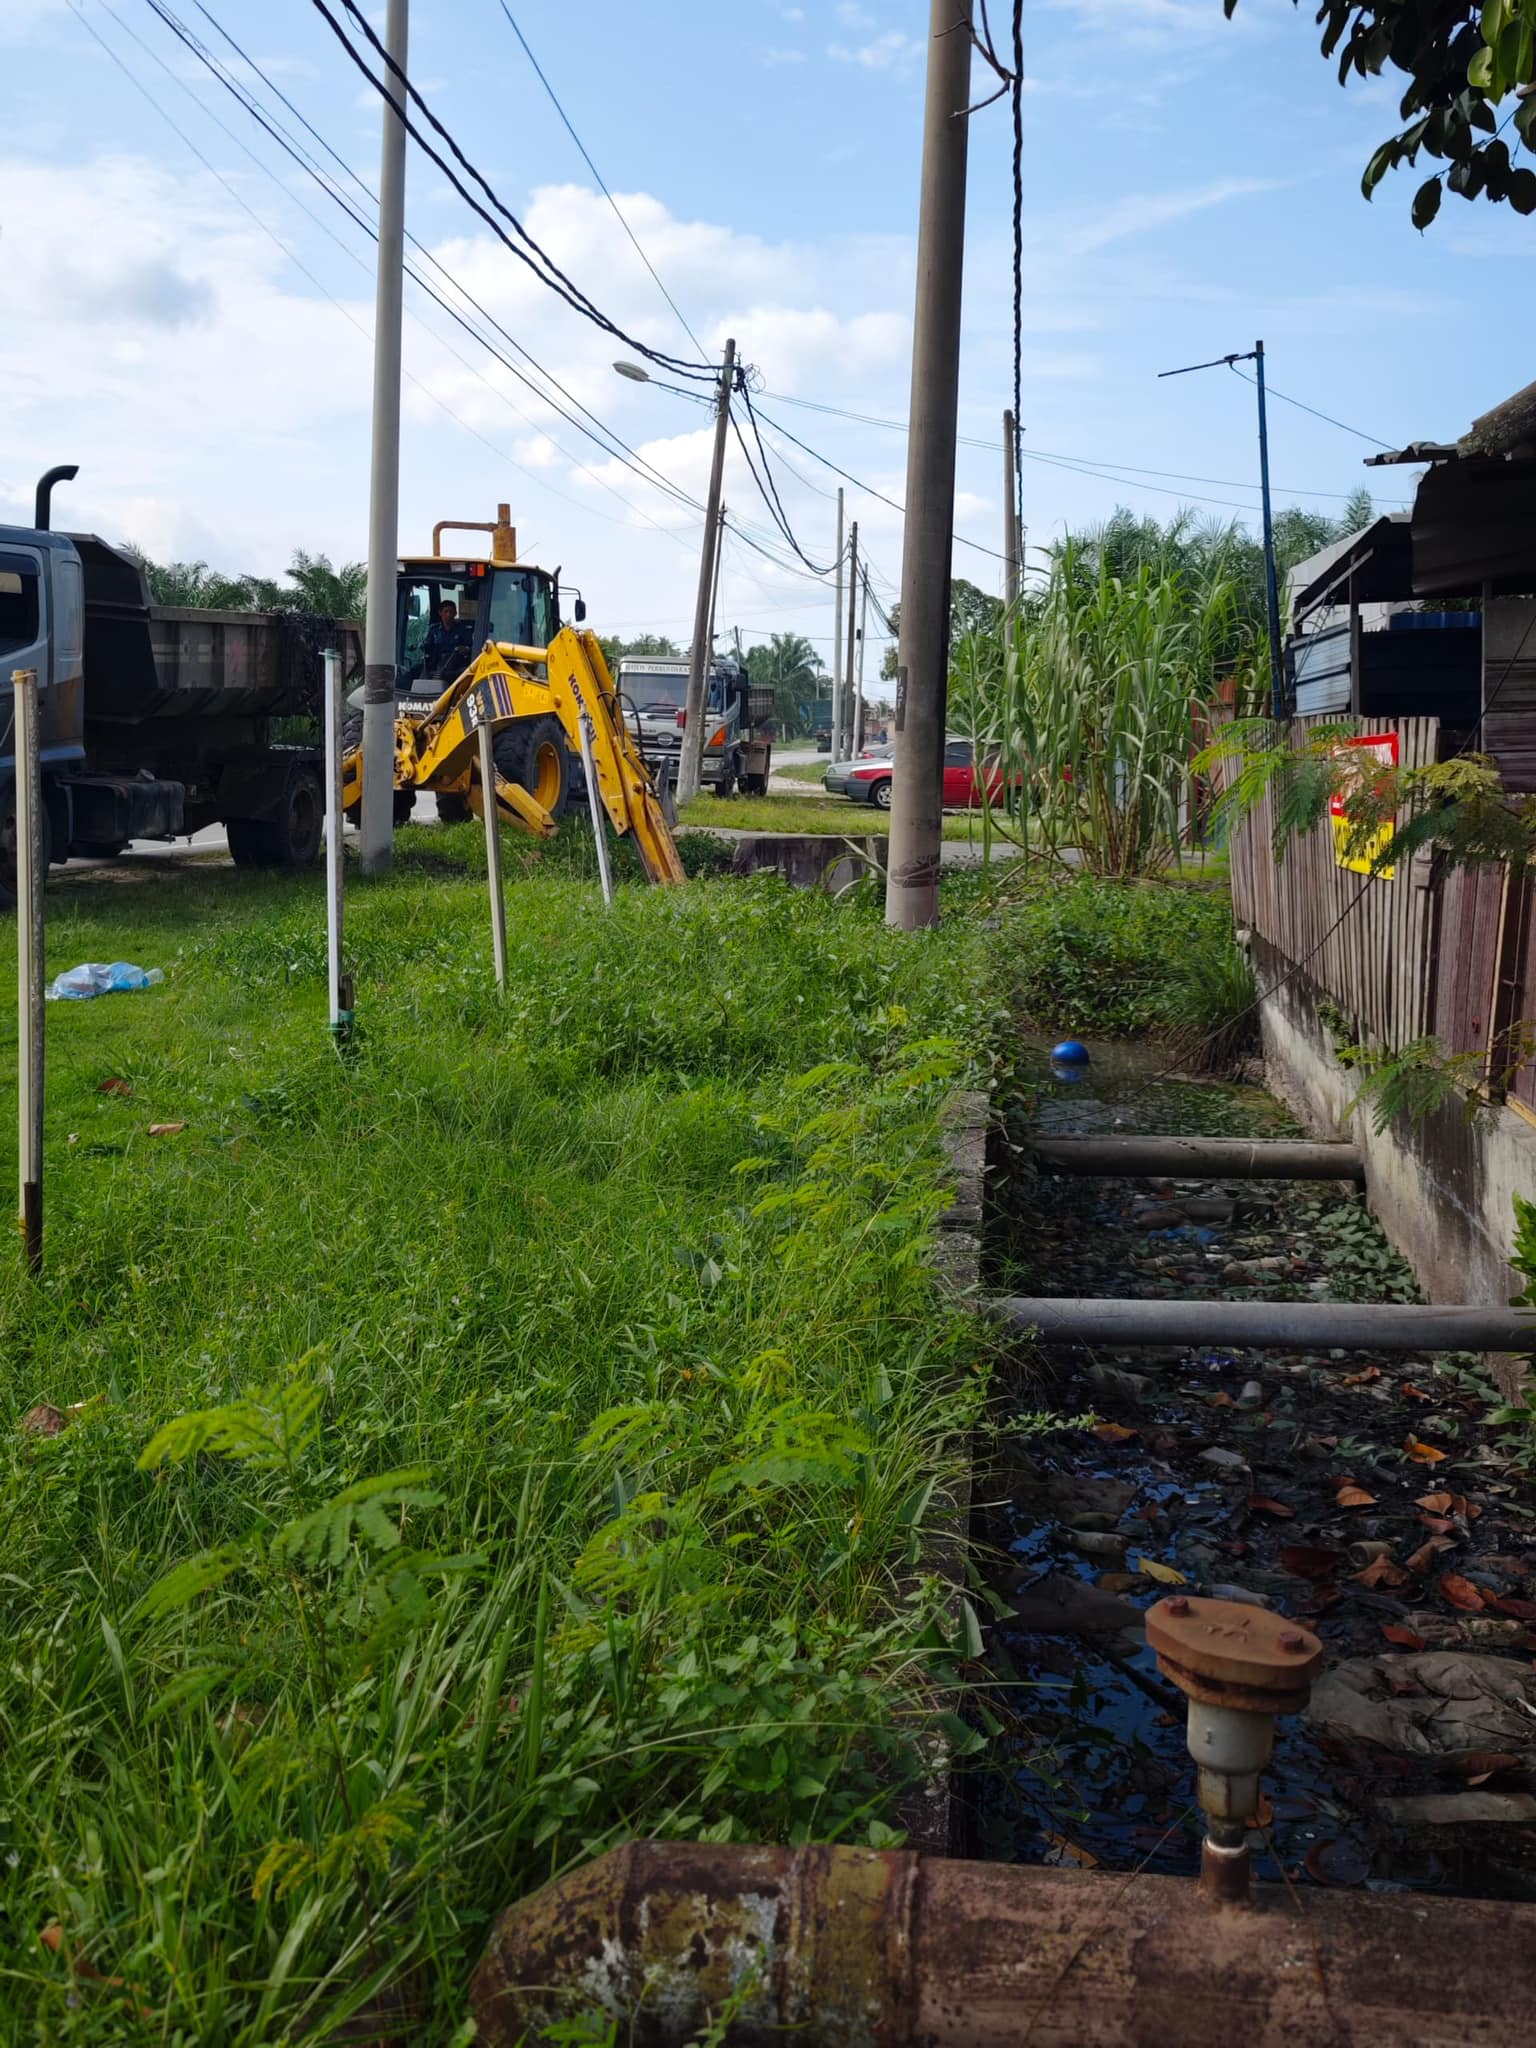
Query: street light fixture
[{"x": 634, "y": 373}]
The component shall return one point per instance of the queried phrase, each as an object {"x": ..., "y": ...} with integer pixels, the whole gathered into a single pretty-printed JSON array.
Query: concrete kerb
[{"x": 931, "y": 1812}]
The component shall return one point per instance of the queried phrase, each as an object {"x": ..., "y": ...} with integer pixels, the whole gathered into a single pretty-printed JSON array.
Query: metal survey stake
[
  {"x": 592, "y": 795},
  {"x": 31, "y": 869},
  {"x": 340, "y": 984},
  {"x": 493, "y": 856}
]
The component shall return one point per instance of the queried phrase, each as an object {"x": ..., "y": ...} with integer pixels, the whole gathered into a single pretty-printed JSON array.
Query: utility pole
[
  {"x": 837, "y": 638},
  {"x": 690, "y": 767},
  {"x": 858, "y": 688},
  {"x": 1277, "y": 690},
  {"x": 1011, "y": 562},
  {"x": 922, "y": 675},
  {"x": 1255, "y": 355},
  {"x": 850, "y": 701},
  {"x": 714, "y": 596},
  {"x": 378, "y": 801}
]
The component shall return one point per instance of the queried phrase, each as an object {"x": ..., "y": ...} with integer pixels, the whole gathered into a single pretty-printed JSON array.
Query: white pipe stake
[
  {"x": 493, "y": 856},
  {"x": 31, "y": 871},
  {"x": 340, "y": 988},
  {"x": 594, "y": 802}
]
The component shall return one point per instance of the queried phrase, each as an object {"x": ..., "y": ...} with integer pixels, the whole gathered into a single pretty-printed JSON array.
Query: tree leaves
[{"x": 1463, "y": 61}]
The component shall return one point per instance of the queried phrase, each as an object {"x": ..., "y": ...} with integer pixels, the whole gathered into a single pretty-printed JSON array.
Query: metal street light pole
[
  {"x": 378, "y": 799},
  {"x": 1255, "y": 355}
]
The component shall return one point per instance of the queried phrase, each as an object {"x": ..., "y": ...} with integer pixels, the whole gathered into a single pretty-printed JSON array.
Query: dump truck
[
  {"x": 737, "y": 753},
  {"x": 156, "y": 720}
]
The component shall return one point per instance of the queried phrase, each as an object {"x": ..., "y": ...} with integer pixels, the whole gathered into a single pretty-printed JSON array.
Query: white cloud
[
  {"x": 773, "y": 56},
  {"x": 851, "y": 15},
  {"x": 792, "y": 14},
  {"x": 1143, "y": 212},
  {"x": 882, "y": 54}
]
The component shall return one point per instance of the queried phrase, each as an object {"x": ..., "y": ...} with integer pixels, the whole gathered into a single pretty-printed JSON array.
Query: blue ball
[{"x": 1071, "y": 1052}]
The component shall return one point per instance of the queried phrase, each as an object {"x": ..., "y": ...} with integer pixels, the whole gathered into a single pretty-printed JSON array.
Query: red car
[{"x": 869, "y": 782}]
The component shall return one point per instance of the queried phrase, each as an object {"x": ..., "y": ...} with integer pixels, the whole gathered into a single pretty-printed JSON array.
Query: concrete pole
[
  {"x": 493, "y": 858},
  {"x": 858, "y": 688},
  {"x": 378, "y": 804},
  {"x": 850, "y": 714},
  {"x": 922, "y": 675},
  {"x": 31, "y": 872},
  {"x": 837, "y": 640},
  {"x": 1011, "y": 562},
  {"x": 690, "y": 766}
]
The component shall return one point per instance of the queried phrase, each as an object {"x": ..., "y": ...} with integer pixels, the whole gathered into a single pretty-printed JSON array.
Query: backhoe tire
[
  {"x": 532, "y": 753},
  {"x": 452, "y": 808},
  {"x": 291, "y": 839}
]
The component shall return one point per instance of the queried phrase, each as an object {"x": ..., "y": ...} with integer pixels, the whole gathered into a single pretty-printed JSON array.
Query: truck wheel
[
  {"x": 452, "y": 809},
  {"x": 292, "y": 838},
  {"x": 531, "y": 752},
  {"x": 754, "y": 785},
  {"x": 726, "y": 785}
]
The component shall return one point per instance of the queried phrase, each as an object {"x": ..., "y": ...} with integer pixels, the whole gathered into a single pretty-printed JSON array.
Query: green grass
[
  {"x": 804, "y": 771},
  {"x": 1125, "y": 959},
  {"x": 511, "y": 1436},
  {"x": 784, "y": 813}
]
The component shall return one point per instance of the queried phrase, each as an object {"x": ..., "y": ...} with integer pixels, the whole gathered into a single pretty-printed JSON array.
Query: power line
[
  {"x": 531, "y": 254},
  {"x": 859, "y": 484},
  {"x": 602, "y": 184},
  {"x": 1301, "y": 406},
  {"x": 865, "y": 419},
  {"x": 776, "y": 504},
  {"x": 604, "y": 438}
]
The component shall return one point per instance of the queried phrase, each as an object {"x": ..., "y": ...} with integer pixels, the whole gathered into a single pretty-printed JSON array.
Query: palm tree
[
  {"x": 317, "y": 587},
  {"x": 787, "y": 665}
]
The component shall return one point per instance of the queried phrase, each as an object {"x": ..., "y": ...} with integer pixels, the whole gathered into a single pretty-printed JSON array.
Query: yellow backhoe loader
[{"x": 479, "y": 642}]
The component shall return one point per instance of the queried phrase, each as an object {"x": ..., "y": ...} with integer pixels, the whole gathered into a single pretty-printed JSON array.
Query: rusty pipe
[
  {"x": 1114, "y": 1321},
  {"x": 1222, "y": 1158},
  {"x": 842, "y": 1947}
]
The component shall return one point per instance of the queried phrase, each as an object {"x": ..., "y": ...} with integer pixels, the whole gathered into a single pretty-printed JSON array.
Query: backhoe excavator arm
[
  {"x": 581, "y": 687},
  {"x": 439, "y": 748}
]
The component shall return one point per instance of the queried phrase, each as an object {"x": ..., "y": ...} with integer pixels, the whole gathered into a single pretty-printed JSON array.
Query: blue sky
[{"x": 199, "y": 343}]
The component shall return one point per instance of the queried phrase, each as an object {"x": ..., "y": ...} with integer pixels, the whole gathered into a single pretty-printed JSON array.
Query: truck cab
[{"x": 654, "y": 692}]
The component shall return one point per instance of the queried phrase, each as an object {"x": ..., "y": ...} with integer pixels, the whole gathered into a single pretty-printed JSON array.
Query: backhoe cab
[{"x": 479, "y": 642}]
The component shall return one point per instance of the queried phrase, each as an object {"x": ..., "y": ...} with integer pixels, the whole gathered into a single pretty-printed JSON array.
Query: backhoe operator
[{"x": 446, "y": 650}]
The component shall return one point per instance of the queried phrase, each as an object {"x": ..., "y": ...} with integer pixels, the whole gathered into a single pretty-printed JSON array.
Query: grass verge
[
  {"x": 513, "y": 1435},
  {"x": 784, "y": 813}
]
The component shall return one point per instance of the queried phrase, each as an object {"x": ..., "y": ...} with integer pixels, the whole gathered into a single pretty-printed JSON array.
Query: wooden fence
[{"x": 1432, "y": 950}]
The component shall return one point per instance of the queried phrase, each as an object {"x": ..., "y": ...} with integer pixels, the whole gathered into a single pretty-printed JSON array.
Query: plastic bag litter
[{"x": 95, "y": 978}]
